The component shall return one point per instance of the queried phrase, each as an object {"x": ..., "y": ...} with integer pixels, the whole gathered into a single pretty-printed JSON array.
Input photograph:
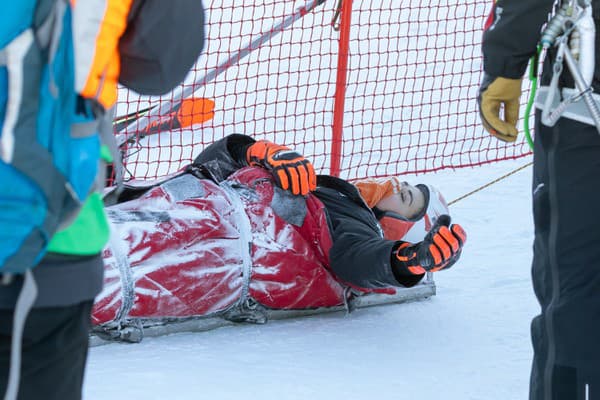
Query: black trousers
[
  {"x": 566, "y": 262},
  {"x": 55, "y": 346}
]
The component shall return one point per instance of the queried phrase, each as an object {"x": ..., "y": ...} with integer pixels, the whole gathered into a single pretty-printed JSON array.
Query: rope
[
  {"x": 533, "y": 73},
  {"x": 491, "y": 183}
]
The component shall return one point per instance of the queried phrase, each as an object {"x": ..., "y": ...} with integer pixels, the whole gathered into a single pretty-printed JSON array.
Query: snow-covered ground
[{"x": 471, "y": 341}]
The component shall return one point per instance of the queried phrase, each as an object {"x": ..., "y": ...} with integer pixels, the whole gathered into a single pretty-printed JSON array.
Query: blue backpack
[{"x": 49, "y": 145}]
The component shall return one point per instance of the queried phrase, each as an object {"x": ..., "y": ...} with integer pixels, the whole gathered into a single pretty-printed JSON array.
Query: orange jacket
[{"x": 97, "y": 27}]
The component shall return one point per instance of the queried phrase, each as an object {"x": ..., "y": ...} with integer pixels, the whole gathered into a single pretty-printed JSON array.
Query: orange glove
[
  {"x": 439, "y": 250},
  {"x": 291, "y": 170}
]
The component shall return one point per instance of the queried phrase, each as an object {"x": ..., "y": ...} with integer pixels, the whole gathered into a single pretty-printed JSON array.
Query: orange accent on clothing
[
  {"x": 435, "y": 254},
  {"x": 460, "y": 233},
  {"x": 444, "y": 247},
  {"x": 101, "y": 83},
  {"x": 303, "y": 179},
  {"x": 451, "y": 239},
  {"x": 403, "y": 258},
  {"x": 374, "y": 190},
  {"x": 416, "y": 270},
  {"x": 393, "y": 228},
  {"x": 195, "y": 111},
  {"x": 283, "y": 179}
]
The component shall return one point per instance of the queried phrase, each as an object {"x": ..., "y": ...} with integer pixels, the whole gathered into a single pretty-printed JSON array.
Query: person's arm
[
  {"x": 290, "y": 169},
  {"x": 510, "y": 39},
  {"x": 440, "y": 249},
  {"x": 360, "y": 256},
  {"x": 225, "y": 156},
  {"x": 511, "y": 36}
]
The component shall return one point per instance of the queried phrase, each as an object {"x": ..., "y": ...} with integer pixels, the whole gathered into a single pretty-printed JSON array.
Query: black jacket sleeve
[
  {"x": 225, "y": 156},
  {"x": 512, "y": 36},
  {"x": 359, "y": 255}
]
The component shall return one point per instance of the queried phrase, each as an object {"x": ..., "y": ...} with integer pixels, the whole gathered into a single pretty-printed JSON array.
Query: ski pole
[
  {"x": 122, "y": 121},
  {"x": 191, "y": 111}
]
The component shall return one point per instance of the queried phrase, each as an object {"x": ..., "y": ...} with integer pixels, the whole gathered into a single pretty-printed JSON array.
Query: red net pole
[{"x": 340, "y": 88}]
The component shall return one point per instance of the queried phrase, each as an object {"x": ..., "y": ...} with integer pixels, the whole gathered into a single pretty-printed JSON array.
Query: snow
[{"x": 470, "y": 341}]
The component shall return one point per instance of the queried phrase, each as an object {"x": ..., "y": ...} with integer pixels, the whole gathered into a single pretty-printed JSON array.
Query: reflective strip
[
  {"x": 43, "y": 33},
  {"x": 15, "y": 52},
  {"x": 245, "y": 238},
  {"x": 98, "y": 25},
  {"x": 87, "y": 18},
  {"x": 119, "y": 250},
  {"x": 84, "y": 129},
  {"x": 25, "y": 302}
]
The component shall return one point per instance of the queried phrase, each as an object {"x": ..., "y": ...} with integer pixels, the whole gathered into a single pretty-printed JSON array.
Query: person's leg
[
  {"x": 566, "y": 266},
  {"x": 541, "y": 284},
  {"x": 55, "y": 345}
]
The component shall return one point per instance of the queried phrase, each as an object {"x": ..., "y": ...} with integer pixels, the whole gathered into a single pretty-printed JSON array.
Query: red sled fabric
[{"x": 190, "y": 247}]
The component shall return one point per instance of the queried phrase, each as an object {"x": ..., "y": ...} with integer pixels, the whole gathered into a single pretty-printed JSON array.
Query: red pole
[{"x": 340, "y": 88}]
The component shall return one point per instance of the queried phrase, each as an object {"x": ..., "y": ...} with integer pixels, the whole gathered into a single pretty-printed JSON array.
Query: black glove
[{"x": 440, "y": 249}]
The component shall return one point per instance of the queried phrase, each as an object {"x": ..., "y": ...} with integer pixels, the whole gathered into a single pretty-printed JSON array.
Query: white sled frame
[{"x": 154, "y": 328}]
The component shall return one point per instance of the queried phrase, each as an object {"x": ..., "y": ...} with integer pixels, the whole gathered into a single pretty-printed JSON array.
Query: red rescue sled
[{"x": 190, "y": 254}]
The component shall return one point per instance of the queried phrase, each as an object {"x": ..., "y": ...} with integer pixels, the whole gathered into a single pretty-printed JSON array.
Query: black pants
[
  {"x": 566, "y": 263},
  {"x": 55, "y": 345}
]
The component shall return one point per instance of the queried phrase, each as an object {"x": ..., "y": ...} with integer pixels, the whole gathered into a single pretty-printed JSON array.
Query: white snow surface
[{"x": 470, "y": 341}]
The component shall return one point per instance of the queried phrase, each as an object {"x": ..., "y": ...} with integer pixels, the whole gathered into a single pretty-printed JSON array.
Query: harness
[{"x": 572, "y": 31}]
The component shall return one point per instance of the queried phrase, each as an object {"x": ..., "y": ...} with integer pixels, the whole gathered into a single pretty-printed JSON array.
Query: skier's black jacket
[
  {"x": 566, "y": 251},
  {"x": 512, "y": 34},
  {"x": 359, "y": 255}
]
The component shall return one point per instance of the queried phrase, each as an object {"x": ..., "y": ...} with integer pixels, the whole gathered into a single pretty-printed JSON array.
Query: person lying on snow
[
  {"x": 251, "y": 220},
  {"x": 359, "y": 255}
]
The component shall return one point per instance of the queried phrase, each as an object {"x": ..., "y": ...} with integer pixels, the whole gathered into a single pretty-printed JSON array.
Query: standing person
[
  {"x": 70, "y": 57},
  {"x": 566, "y": 262}
]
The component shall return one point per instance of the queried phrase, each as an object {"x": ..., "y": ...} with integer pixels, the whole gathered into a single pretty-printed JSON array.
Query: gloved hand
[
  {"x": 440, "y": 249},
  {"x": 291, "y": 170},
  {"x": 493, "y": 93}
]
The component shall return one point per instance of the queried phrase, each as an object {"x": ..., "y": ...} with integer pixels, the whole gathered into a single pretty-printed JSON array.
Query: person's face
[{"x": 409, "y": 201}]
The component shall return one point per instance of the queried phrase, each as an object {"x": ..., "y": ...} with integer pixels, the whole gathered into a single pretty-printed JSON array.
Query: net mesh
[{"x": 271, "y": 69}]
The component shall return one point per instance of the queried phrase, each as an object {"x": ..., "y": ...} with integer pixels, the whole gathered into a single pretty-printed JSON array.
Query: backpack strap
[
  {"x": 105, "y": 130},
  {"x": 12, "y": 56},
  {"x": 24, "y": 304}
]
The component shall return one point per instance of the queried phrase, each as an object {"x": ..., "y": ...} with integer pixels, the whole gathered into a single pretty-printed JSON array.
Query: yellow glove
[{"x": 493, "y": 93}]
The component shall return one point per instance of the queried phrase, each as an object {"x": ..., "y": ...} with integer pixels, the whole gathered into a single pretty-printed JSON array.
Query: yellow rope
[{"x": 491, "y": 183}]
